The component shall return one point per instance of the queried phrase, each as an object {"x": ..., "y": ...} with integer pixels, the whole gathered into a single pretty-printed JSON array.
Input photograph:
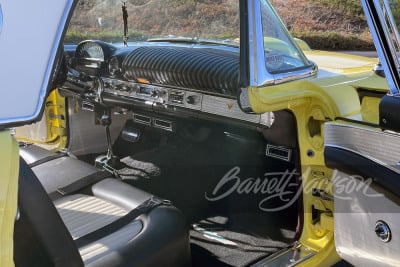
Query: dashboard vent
[
  {"x": 142, "y": 119},
  {"x": 163, "y": 124},
  {"x": 279, "y": 152}
]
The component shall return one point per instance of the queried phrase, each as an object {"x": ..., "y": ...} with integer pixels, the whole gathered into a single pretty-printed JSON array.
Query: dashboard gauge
[
  {"x": 113, "y": 66},
  {"x": 90, "y": 50}
]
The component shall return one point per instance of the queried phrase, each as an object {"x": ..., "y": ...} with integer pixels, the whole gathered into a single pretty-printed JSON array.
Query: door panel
[
  {"x": 366, "y": 186},
  {"x": 360, "y": 216}
]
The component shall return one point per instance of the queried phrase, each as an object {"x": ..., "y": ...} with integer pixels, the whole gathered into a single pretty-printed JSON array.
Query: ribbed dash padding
[{"x": 206, "y": 69}]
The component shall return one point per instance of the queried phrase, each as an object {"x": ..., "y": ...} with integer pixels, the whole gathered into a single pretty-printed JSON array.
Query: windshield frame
[{"x": 381, "y": 22}]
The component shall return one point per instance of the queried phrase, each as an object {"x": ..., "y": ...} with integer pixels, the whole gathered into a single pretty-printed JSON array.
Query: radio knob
[
  {"x": 154, "y": 94},
  {"x": 192, "y": 99}
]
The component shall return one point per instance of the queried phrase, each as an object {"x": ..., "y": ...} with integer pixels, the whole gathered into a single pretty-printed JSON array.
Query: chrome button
[{"x": 382, "y": 230}]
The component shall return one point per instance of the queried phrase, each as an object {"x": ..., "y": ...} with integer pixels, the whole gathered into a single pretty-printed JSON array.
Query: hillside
[
  {"x": 323, "y": 24},
  {"x": 326, "y": 24}
]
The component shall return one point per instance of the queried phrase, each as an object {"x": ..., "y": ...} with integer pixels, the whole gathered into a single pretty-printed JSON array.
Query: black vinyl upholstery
[
  {"x": 158, "y": 238},
  {"x": 38, "y": 212}
]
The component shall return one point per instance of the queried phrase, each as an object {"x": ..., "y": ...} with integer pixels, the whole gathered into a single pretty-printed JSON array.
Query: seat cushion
[
  {"x": 81, "y": 215},
  {"x": 159, "y": 238},
  {"x": 154, "y": 239}
]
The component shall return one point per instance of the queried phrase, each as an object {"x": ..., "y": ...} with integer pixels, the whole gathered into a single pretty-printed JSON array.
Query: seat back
[{"x": 41, "y": 237}]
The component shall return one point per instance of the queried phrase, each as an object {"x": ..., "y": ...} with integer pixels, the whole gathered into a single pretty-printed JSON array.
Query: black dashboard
[{"x": 196, "y": 80}]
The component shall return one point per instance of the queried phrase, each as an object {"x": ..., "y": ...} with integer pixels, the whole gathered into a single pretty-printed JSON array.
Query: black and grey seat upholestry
[{"x": 107, "y": 223}]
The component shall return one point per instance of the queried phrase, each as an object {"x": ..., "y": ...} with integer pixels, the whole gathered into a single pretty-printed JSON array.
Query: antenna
[{"x": 125, "y": 19}]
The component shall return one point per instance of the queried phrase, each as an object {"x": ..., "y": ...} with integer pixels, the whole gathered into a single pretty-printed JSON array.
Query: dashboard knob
[
  {"x": 154, "y": 93},
  {"x": 192, "y": 99}
]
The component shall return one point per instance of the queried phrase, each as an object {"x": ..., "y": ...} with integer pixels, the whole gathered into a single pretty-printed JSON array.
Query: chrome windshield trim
[
  {"x": 376, "y": 19},
  {"x": 296, "y": 74},
  {"x": 50, "y": 68},
  {"x": 259, "y": 75}
]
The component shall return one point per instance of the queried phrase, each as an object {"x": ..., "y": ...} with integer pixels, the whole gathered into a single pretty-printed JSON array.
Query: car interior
[
  {"x": 120, "y": 155},
  {"x": 160, "y": 165}
]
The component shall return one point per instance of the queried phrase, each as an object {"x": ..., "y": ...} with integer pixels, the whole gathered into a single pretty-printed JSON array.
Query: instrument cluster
[{"x": 153, "y": 94}]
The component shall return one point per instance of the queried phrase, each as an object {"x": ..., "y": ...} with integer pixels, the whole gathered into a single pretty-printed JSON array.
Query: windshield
[{"x": 156, "y": 20}]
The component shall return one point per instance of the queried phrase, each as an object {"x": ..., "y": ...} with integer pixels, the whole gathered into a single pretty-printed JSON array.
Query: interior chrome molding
[
  {"x": 186, "y": 99},
  {"x": 244, "y": 101},
  {"x": 382, "y": 147},
  {"x": 290, "y": 256}
]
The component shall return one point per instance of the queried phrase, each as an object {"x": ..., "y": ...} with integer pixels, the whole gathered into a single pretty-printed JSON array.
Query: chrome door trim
[{"x": 382, "y": 147}]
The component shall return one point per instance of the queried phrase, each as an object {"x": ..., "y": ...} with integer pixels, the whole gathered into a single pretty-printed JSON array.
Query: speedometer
[{"x": 90, "y": 50}]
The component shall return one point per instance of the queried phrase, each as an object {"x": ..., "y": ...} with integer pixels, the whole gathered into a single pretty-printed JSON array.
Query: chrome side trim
[
  {"x": 290, "y": 256},
  {"x": 374, "y": 144}
]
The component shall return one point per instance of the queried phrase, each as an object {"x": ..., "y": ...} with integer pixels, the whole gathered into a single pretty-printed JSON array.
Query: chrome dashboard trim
[
  {"x": 187, "y": 99},
  {"x": 382, "y": 147}
]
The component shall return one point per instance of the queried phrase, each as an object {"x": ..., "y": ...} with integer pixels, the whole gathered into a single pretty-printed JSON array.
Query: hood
[{"x": 340, "y": 63}]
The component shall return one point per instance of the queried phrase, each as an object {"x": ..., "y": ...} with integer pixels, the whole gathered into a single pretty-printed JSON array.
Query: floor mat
[{"x": 237, "y": 240}]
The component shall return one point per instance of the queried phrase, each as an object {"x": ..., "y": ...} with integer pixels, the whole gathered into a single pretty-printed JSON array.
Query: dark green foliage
[{"x": 336, "y": 41}]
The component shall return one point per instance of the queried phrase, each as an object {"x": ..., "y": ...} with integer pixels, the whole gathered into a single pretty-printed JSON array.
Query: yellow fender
[{"x": 9, "y": 166}]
